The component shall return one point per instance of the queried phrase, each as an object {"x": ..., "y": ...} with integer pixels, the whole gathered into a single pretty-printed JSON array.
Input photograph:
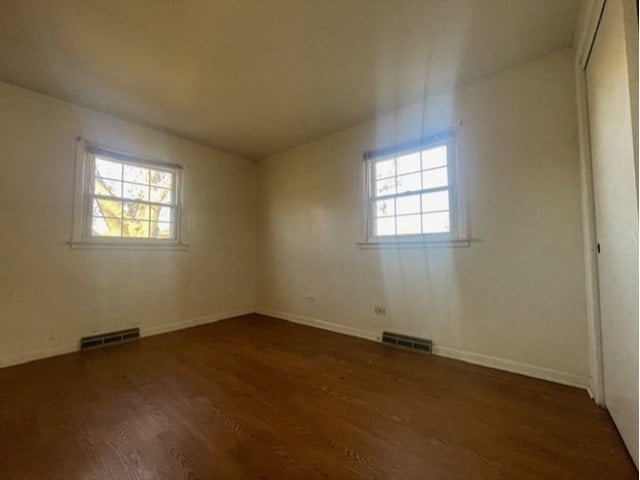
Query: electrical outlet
[
  {"x": 380, "y": 310},
  {"x": 311, "y": 299}
]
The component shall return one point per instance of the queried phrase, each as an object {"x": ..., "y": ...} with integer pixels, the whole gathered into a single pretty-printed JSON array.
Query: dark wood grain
[{"x": 256, "y": 397}]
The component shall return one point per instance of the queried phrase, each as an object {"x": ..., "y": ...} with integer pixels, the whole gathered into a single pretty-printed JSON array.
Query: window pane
[
  {"x": 385, "y": 226},
  {"x": 409, "y": 163},
  {"x": 161, "y": 230},
  {"x": 136, "y": 211},
  {"x": 136, "y": 200},
  {"x": 135, "y": 228},
  {"x": 106, "y": 227},
  {"x": 408, "y": 224},
  {"x": 136, "y": 174},
  {"x": 435, "y": 201},
  {"x": 385, "y": 187},
  {"x": 435, "y": 178},
  {"x": 135, "y": 191},
  {"x": 107, "y": 208},
  {"x": 160, "y": 178},
  {"x": 160, "y": 195},
  {"x": 434, "y": 157},
  {"x": 435, "y": 222},
  {"x": 409, "y": 183},
  {"x": 410, "y": 204},
  {"x": 107, "y": 169},
  {"x": 385, "y": 168},
  {"x": 385, "y": 208},
  {"x": 110, "y": 188},
  {"x": 162, "y": 214}
]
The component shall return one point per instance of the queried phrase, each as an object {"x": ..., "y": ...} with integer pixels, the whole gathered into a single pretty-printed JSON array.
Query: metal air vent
[
  {"x": 405, "y": 341},
  {"x": 97, "y": 341}
]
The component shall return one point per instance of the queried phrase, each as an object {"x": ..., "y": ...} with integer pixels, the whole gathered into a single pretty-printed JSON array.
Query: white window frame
[
  {"x": 458, "y": 234},
  {"x": 82, "y": 237}
]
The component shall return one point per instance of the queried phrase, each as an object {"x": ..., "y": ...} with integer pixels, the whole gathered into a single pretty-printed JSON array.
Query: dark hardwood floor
[{"x": 255, "y": 397}]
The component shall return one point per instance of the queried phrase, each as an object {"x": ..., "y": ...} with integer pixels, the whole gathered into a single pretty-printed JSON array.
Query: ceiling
[{"x": 254, "y": 77}]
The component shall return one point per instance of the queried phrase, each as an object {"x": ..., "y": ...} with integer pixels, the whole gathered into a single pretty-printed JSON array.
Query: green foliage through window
[{"x": 133, "y": 201}]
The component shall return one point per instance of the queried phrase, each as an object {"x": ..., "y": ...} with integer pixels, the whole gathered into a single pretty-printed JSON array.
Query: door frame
[{"x": 587, "y": 28}]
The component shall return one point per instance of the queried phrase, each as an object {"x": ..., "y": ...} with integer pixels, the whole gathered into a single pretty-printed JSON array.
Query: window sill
[
  {"x": 425, "y": 243},
  {"x": 126, "y": 246}
]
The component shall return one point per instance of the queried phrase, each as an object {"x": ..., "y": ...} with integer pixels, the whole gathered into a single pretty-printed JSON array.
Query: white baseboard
[
  {"x": 145, "y": 331},
  {"x": 194, "y": 322},
  {"x": 564, "y": 378},
  {"x": 313, "y": 322},
  {"x": 557, "y": 376},
  {"x": 38, "y": 354}
]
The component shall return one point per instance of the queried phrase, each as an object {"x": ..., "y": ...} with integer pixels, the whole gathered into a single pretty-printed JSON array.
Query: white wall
[
  {"x": 515, "y": 298},
  {"x": 50, "y": 296}
]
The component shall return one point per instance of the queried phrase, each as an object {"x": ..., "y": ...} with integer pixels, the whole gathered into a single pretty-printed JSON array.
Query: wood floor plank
[{"x": 257, "y": 397}]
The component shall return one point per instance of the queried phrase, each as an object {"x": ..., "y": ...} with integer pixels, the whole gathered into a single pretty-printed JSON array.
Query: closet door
[{"x": 616, "y": 211}]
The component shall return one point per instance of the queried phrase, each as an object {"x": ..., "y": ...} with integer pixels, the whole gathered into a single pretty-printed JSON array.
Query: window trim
[
  {"x": 458, "y": 233},
  {"x": 81, "y": 237}
]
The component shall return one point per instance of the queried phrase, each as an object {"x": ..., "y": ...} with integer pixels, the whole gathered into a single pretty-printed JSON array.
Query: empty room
[{"x": 318, "y": 239}]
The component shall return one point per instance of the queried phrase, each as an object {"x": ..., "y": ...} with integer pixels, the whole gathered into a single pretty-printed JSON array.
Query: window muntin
[
  {"x": 413, "y": 193},
  {"x": 131, "y": 199}
]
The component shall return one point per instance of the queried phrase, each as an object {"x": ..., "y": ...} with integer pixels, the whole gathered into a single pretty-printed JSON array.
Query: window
[
  {"x": 412, "y": 192},
  {"x": 127, "y": 200}
]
